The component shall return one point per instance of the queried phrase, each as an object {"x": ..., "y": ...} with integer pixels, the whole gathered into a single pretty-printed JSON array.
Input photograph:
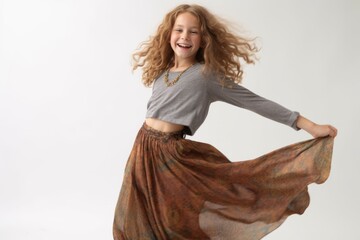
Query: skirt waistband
[{"x": 162, "y": 135}]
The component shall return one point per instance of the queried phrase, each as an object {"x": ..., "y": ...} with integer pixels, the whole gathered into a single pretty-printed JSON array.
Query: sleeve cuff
[{"x": 294, "y": 118}]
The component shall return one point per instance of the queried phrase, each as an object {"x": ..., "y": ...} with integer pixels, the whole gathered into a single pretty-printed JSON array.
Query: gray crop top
[{"x": 187, "y": 102}]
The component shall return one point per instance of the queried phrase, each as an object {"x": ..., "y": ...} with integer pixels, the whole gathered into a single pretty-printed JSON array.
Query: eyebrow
[{"x": 179, "y": 25}]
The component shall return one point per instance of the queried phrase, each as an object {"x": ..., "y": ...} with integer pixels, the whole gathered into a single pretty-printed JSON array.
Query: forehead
[{"x": 187, "y": 19}]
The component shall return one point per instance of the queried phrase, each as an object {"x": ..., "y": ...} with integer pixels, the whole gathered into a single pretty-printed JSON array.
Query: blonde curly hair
[{"x": 221, "y": 50}]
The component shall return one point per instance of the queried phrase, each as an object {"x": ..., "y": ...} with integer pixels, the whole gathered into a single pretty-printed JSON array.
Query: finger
[{"x": 333, "y": 131}]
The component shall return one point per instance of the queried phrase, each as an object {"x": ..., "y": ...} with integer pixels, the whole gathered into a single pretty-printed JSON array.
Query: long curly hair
[{"x": 221, "y": 50}]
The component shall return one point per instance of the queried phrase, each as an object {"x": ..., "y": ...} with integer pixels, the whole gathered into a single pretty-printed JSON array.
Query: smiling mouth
[{"x": 183, "y": 45}]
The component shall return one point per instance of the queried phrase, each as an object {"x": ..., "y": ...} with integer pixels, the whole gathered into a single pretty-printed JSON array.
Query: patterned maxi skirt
[{"x": 175, "y": 188}]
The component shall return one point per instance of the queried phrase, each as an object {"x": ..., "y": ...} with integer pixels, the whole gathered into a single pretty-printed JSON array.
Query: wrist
[{"x": 306, "y": 124}]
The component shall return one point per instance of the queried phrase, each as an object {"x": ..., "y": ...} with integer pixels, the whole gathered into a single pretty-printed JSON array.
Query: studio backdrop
[{"x": 70, "y": 107}]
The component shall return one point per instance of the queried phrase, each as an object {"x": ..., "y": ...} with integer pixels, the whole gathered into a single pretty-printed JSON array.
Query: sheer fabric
[{"x": 175, "y": 188}]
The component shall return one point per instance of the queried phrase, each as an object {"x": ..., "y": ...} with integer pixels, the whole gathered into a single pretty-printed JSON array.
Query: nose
[{"x": 185, "y": 35}]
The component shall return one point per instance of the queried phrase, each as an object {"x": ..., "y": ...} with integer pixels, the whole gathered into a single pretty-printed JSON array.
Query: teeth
[{"x": 184, "y": 45}]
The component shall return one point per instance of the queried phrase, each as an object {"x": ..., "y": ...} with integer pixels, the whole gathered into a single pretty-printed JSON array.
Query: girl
[{"x": 174, "y": 188}]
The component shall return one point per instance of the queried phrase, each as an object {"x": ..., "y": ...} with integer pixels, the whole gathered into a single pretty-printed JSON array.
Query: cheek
[
  {"x": 198, "y": 41},
  {"x": 172, "y": 38}
]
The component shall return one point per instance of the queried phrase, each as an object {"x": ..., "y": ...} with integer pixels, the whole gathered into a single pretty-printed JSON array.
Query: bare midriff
[{"x": 163, "y": 126}]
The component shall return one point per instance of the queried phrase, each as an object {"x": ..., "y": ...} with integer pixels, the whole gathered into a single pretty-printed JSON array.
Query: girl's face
[{"x": 185, "y": 38}]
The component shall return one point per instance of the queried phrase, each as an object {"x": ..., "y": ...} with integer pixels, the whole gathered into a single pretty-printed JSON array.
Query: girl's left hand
[
  {"x": 323, "y": 131},
  {"x": 314, "y": 129}
]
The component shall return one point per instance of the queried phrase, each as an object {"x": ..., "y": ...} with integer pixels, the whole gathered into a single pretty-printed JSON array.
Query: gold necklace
[{"x": 172, "y": 82}]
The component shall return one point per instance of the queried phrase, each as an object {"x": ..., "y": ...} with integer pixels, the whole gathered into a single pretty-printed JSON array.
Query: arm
[
  {"x": 314, "y": 129},
  {"x": 240, "y": 96}
]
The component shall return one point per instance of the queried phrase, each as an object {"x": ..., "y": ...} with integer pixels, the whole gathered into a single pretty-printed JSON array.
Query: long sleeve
[{"x": 242, "y": 97}]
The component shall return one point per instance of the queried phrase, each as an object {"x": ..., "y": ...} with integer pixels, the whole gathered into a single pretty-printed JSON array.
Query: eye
[{"x": 178, "y": 30}]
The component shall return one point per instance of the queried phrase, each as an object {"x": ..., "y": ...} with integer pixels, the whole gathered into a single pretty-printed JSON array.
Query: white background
[{"x": 70, "y": 107}]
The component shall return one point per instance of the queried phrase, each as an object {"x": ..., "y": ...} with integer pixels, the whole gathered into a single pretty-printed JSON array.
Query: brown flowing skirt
[{"x": 175, "y": 188}]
